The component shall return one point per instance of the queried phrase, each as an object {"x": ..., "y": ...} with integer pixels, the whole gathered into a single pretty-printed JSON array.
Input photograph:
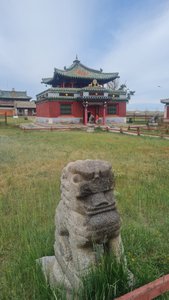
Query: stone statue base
[{"x": 53, "y": 272}]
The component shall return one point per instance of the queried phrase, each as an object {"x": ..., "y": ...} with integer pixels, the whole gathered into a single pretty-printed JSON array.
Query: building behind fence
[{"x": 144, "y": 116}]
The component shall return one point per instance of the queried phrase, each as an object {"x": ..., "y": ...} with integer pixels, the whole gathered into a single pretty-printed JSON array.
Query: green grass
[
  {"x": 15, "y": 121},
  {"x": 30, "y": 168},
  {"x": 108, "y": 280}
]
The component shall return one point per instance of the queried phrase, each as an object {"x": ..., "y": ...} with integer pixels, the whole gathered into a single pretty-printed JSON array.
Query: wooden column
[
  {"x": 5, "y": 118},
  {"x": 85, "y": 116},
  {"x": 167, "y": 109},
  {"x": 104, "y": 112},
  {"x": 85, "y": 104}
]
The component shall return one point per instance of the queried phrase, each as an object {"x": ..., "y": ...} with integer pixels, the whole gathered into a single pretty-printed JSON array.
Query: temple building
[
  {"x": 166, "y": 109},
  {"x": 79, "y": 92},
  {"x": 16, "y": 103}
]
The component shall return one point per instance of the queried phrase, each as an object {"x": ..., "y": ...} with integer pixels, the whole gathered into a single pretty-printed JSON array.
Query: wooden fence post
[
  {"x": 138, "y": 130},
  {"x": 5, "y": 118}
]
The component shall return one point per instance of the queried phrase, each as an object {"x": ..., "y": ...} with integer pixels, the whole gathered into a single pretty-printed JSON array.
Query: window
[
  {"x": 65, "y": 109},
  {"x": 112, "y": 109},
  {"x": 66, "y": 94},
  {"x": 96, "y": 94}
]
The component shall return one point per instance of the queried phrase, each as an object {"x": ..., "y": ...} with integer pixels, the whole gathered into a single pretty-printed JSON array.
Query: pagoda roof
[
  {"x": 165, "y": 101},
  {"x": 14, "y": 95},
  {"x": 77, "y": 94},
  {"x": 80, "y": 72}
]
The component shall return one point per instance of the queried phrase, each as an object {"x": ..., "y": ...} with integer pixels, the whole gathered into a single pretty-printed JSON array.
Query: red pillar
[
  {"x": 5, "y": 118},
  {"x": 85, "y": 105},
  {"x": 104, "y": 113},
  {"x": 85, "y": 115}
]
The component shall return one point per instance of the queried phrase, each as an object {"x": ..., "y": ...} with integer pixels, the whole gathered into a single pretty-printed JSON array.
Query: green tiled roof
[
  {"x": 14, "y": 95},
  {"x": 59, "y": 90},
  {"x": 65, "y": 90},
  {"x": 96, "y": 89},
  {"x": 79, "y": 71},
  {"x": 76, "y": 94},
  {"x": 165, "y": 101}
]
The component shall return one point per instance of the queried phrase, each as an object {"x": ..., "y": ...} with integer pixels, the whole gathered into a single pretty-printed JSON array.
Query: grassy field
[{"x": 30, "y": 168}]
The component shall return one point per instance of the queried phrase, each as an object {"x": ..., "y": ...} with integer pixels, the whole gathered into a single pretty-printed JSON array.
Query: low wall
[
  {"x": 68, "y": 120},
  {"x": 73, "y": 120}
]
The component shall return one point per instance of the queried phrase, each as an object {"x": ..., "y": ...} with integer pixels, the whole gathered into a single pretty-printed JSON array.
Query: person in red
[{"x": 97, "y": 119}]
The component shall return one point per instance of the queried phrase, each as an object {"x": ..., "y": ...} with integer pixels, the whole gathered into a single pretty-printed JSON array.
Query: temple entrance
[
  {"x": 93, "y": 110},
  {"x": 93, "y": 113}
]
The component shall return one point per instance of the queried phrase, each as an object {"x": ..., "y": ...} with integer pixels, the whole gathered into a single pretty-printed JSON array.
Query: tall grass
[
  {"x": 30, "y": 168},
  {"x": 107, "y": 280}
]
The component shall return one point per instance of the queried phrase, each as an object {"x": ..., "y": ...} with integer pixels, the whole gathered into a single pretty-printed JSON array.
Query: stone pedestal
[{"x": 90, "y": 128}]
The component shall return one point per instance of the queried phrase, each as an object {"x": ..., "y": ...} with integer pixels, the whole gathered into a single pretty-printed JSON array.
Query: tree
[{"x": 113, "y": 85}]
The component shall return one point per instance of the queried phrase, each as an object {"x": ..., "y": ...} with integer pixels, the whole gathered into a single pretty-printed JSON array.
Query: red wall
[
  {"x": 42, "y": 109},
  {"x": 8, "y": 112},
  {"x": 51, "y": 109},
  {"x": 77, "y": 110},
  {"x": 122, "y": 109},
  {"x": 54, "y": 109}
]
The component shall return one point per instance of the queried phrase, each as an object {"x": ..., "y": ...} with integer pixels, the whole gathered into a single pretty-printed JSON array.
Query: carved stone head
[{"x": 87, "y": 186}]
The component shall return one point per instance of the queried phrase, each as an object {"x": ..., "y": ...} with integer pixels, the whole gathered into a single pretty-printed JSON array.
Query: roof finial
[{"x": 76, "y": 60}]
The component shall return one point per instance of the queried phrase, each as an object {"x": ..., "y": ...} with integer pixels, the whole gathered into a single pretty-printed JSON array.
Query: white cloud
[
  {"x": 141, "y": 57},
  {"x": 37, "y": 36}
]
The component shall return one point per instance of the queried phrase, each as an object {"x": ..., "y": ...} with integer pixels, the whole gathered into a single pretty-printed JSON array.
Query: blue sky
[{"x": 129, "y": 37}]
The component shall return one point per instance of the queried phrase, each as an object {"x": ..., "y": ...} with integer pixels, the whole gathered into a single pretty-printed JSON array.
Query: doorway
[{"x": 94, "y": 110}]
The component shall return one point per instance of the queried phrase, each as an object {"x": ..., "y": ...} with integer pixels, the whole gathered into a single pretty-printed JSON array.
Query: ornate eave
[
  {"x": 95, "y": 89},
  {"x": 90, "y": 93},
  {"x": 165, "y": 101},
  {"x": 79, "y": 72}
]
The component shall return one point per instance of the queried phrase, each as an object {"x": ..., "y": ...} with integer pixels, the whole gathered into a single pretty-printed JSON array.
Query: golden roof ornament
[{"x": 94, "y": 83}]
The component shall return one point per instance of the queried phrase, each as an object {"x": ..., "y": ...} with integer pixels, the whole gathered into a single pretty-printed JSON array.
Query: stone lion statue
[{"x": 87, "y": 221}]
